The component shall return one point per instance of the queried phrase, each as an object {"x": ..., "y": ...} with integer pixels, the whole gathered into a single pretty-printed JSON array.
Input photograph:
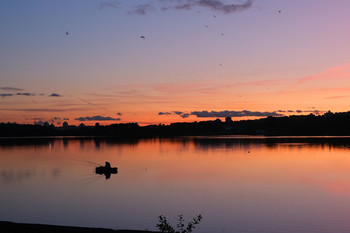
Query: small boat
[{"x": 106, "y": 170}]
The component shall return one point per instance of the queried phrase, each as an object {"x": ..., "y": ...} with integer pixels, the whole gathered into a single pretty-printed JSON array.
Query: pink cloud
[
  {"x": 338, "y": 97},
  {"x": 331, "y": 74}
]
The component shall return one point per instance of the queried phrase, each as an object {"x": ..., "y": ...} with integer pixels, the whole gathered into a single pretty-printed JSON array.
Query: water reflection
[
  {"x": 49, "y": 141},
  {"x": 270, "y": 142},
  {"x": 200, "y": 142},
  {"x": 282, "y": 185},
  {"x": 13, "y": 176},
  {"x": 9, "y": 176}
]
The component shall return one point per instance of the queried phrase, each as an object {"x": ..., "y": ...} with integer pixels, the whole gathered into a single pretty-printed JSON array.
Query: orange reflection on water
[{"x": 280, "y": 184}]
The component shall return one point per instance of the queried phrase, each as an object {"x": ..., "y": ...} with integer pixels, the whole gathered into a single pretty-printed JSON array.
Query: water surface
[{"x": 238, "y": 184}]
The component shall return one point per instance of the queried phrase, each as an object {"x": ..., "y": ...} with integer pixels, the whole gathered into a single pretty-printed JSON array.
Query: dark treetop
[{"x": 337, "y": 124}]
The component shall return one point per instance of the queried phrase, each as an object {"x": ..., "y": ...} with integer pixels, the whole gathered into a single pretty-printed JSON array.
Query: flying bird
[
  {"x": 279, "y": 11},
  {"x": 142, "y": 37},
  {"x": 67, "y": 33}
]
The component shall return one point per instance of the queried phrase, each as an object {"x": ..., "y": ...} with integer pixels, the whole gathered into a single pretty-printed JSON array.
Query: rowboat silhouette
[{"x": 106, "y": 170}]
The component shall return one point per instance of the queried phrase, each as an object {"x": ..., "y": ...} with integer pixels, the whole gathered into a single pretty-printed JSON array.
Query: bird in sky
[
  {"x": 142, "y": 37},
  {"x": 67, "y": 33},
  {"x": 279, "y": 11}
]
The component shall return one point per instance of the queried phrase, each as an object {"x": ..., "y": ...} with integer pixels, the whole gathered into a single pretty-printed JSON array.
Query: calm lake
[{"x": 238, "y": 184}]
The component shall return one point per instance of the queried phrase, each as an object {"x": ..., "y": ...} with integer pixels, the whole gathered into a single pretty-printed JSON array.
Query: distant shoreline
[
  {"x": 329, "y": 124},
  {"x": 11, "y": 227},
  {"x": 214, "y": 136}
]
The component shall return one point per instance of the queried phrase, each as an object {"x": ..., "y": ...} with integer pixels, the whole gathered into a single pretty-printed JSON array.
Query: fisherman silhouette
[{"x": 106, "y": 170}]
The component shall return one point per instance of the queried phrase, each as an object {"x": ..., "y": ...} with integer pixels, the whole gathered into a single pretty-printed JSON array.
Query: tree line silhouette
[{"x": 296, "y": 125}]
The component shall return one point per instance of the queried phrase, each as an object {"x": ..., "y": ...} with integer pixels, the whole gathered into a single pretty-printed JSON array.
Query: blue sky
[{"x": 201, "y": 58}]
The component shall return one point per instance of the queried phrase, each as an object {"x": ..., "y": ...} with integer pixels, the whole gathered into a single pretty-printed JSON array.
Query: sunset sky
[{"x": 162, "y": 61}]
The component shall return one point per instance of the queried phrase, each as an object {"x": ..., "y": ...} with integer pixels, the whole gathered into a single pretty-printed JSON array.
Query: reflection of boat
[{"x": 106, "y": 170}]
